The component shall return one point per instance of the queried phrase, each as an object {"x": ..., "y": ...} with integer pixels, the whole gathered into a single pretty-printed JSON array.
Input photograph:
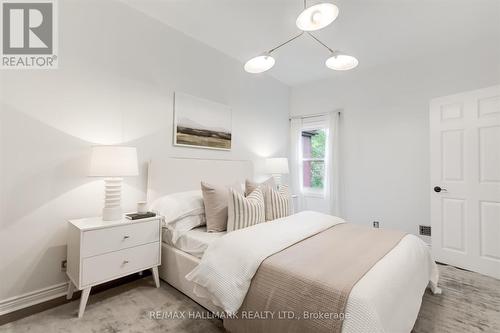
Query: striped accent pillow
[
  {"x": 264, "y": 186},
  {"x": 277, "y": 203},
  {"x": 245, "y": 212}
]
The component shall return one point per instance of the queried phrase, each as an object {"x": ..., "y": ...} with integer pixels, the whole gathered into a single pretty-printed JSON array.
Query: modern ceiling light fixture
[{"x": 312, "y": 18}]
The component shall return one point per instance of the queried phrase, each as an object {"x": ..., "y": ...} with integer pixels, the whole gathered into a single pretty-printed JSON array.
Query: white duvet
[{"x": 386, "y": 299}]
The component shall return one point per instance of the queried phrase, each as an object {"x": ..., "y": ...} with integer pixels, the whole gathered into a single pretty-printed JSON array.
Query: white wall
[
  {"x": 117, "y": 73},
  {"x": 385, "y": 129}
]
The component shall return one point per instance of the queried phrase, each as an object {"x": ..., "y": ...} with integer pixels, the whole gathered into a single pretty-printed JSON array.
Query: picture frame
[{"x": 200, "y": 123}]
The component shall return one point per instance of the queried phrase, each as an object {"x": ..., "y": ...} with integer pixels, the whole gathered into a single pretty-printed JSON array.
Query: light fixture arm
[
  {"x": 283, "y": 44},
  {"x": 320, "y": 42}
]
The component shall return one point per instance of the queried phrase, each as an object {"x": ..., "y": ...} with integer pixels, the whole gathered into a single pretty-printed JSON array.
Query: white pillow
[
  {"x": 183, "y": 225},
  {"x": 176, "y": 206}
]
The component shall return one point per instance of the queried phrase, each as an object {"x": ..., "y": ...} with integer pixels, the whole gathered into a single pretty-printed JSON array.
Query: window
[{"x": 313, "y": 160}]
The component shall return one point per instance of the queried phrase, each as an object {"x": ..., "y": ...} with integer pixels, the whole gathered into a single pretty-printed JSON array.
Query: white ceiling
[{"x": 377, "y": 32}]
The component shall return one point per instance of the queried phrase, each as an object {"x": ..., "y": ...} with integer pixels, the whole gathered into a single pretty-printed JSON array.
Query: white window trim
[{"x": 310, "y": 192}]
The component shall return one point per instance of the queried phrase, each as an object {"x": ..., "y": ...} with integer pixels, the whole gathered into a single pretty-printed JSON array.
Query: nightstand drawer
[
  {"x": 105, "y": 240},
  {"x": 114, "y": 264}
]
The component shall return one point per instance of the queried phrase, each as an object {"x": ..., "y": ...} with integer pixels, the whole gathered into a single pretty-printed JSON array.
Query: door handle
[{"x": 438, "y": 189}]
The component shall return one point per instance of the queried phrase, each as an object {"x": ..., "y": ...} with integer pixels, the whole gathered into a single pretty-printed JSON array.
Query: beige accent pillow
[
  {"x": 215, "y": 198},
  {"x": 251, "y": 186}
]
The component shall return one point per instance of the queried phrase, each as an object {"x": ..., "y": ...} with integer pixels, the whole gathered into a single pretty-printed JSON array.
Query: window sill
[{"x": 313, "y": 194}]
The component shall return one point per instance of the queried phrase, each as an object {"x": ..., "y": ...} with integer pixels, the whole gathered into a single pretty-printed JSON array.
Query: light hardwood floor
[{"x": 470, "y": 303}]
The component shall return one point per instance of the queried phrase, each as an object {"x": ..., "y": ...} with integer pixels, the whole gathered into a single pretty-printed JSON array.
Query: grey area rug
[{"x": 470, "y": 303}]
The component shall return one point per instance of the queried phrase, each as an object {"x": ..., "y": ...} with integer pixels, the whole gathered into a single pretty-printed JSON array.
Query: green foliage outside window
[
  {"x": 318, "y": 144},
  {"x": 317, "y": 174},
  {"x": 318, "y": 148}
]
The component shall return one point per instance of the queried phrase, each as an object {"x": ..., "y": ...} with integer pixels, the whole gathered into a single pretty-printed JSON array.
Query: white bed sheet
[{"x": 194, "y": 241}]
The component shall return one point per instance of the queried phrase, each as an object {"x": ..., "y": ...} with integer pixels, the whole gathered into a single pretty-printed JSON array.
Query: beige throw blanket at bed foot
[{"x": 311, "y": 278}]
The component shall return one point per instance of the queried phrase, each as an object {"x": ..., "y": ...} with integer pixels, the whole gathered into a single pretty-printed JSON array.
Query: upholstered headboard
[{"x": 175, "y": 174}]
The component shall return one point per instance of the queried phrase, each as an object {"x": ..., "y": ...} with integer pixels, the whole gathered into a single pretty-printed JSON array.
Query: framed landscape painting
[{"x": 200, "y": 123}]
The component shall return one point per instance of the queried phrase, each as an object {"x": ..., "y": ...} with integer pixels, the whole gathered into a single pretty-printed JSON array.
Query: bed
[{"x": 385, "y": 299}]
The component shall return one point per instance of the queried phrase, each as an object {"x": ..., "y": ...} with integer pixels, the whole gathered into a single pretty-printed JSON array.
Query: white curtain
[
  {"x": 333, "y": 164},
  {"x": 295, "y": 160}
]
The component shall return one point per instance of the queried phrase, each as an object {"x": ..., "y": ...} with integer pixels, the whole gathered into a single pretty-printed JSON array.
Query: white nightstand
[{"x": 100, "y": 251}]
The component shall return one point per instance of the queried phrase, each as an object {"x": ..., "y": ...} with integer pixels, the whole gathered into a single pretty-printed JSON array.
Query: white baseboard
[{"x": 32, "y": 298}]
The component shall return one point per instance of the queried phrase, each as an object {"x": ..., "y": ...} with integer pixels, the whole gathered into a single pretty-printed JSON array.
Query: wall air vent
[{"x": 424, "y": 230}]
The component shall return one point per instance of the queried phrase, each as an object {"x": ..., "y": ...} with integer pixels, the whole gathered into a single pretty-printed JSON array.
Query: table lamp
[
  {"x": 113, "y": 163},
  {"x": 277, "y": 166}
]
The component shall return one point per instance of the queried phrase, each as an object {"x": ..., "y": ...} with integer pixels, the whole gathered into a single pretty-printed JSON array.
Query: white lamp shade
[
  {"x": 341, "y": 62},
  {"x": 113, "y": 161},
  {"x": 259, "y": 64},
  {"x": 278, "y": 165},
  {"x": 317, "y": 17}
]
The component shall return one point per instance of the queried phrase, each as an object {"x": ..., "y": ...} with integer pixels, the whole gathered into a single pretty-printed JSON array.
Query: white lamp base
[
  {"x": 277, "y": 179},
  {"x": 112, "y": 213},
  {"x": 112, "y": 210}
]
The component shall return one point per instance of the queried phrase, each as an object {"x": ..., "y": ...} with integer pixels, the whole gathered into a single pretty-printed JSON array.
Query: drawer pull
[
  {"x": 126, "y": 237},
  {"x": 125, "y": 262}
]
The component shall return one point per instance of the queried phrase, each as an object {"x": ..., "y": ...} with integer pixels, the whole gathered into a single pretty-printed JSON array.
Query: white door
[{"x": 465, "y": 180}]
